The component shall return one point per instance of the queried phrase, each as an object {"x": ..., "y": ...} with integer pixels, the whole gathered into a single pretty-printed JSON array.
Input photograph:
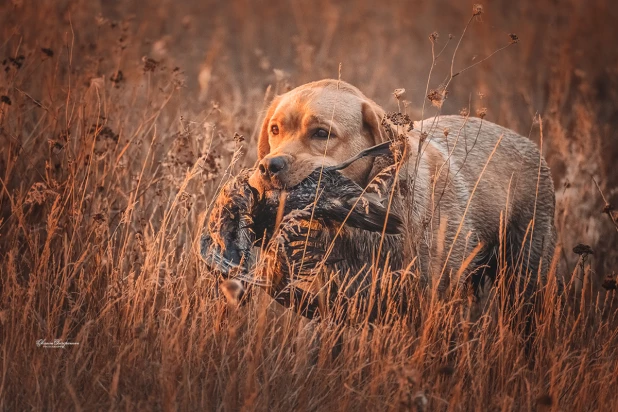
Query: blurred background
[{"x": 226, "y": 60}]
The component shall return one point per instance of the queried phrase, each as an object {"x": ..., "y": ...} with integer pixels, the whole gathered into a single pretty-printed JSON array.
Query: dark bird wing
[
  {"x": 341, "y": 200},
  {"x": 230, "y": 226}
]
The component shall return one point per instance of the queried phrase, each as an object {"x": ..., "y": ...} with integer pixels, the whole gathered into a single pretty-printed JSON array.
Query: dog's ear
[
  {"x": 373, "y": 118},
  {"x": 263, "y": 147}
]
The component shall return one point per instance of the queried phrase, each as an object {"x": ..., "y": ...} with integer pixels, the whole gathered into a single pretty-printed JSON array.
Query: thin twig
[
  {"x": 607, "y": 209},
  {"x": 482, "y": 60}
]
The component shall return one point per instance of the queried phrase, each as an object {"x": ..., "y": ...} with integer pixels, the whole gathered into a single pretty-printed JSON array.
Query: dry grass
[{"x": 108, "y": 163}]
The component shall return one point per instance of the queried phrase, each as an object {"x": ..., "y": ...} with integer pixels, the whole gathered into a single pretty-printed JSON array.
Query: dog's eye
[
  {"x": 321, "y": 134},
  {"x": 274, "y": 129}
]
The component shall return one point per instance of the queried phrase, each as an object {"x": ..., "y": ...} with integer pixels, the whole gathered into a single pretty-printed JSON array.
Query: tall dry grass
[{"x": 109, "y": 162}]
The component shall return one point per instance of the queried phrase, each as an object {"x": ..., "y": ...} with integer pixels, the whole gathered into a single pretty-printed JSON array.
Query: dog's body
[
  {"x": 470, "y": 192},
  {"x": 471, "y": 181}
]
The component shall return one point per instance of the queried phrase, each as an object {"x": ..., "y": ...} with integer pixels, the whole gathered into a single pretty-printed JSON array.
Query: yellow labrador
[{"x": 474, "y": 193}]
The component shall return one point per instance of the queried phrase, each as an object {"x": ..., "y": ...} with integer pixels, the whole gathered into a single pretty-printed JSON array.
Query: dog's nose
[{"x": 272, "y": 165}]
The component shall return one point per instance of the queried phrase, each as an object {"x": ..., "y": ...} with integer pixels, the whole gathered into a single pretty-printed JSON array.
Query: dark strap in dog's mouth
[{"x": 382, "y": 149}]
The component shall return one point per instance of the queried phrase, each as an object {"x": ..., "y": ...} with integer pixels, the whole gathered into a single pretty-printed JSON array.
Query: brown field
[{"x": 117, "y": 127}]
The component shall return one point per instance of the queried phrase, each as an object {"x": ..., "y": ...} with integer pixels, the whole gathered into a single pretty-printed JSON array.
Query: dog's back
[{"x": 472, "y": 172}]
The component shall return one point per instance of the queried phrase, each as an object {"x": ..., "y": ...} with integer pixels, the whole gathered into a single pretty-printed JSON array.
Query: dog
[{"x": 474, "y": 196}]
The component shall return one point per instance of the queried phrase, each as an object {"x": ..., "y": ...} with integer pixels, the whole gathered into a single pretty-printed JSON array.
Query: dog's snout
[{"x": 272, "y": 165}]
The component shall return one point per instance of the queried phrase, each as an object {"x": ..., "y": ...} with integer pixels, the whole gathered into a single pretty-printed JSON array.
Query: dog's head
[{"x": 318, "y": 124}]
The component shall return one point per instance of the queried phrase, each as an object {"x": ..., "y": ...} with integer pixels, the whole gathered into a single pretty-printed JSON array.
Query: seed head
[
  {"x": 610, "y": 282},
  {"x": 481, "y": 112},
  {"x": 178, "y": 78},
  {"x": 583, "y": 250},
  {"x": 398, "y": 93},
  {"x": 149, "y": 64},
  {"x": 399, "y": 119},
  {"x": 437, "y": 97}
]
